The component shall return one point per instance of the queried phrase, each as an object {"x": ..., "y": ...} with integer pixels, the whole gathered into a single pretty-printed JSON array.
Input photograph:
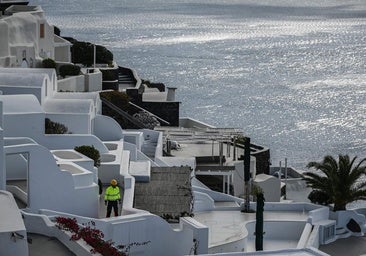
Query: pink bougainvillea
[{"x": 91, "y": 236}]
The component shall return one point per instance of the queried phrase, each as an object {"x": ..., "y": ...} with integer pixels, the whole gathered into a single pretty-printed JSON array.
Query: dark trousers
[{"x": 110, "y": 205}]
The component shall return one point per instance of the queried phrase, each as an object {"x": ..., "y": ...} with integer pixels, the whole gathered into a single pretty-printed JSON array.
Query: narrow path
[
  {"x": 43, "y": 245},
  {"x": 352, "y": 246}
]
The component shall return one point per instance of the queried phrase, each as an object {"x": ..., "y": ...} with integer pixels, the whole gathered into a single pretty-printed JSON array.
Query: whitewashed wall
[
  {"x": 72, "y": 84},
  {"x": 13, "y": 237},
  {"x": 5, "y": 60},
  {"x": 239, "y": 175},
  {"x": 106, "y": 128},
  {"x": 75, "y": 123},
  {"x": 93, "y": 81},
  {"x": 45, "y": 179},
  {"x": 24, "y": 125},
  {"x": 2, "y": 156},
  {"x": 62, "y": 141},
  {"x": 51, "y": 73},
  {"x": 37, "y": 84}
]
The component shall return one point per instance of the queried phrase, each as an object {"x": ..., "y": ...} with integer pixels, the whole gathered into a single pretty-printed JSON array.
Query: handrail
[
  {"x": 140, "y": 108},
  {"x": 124, "y": 114}
]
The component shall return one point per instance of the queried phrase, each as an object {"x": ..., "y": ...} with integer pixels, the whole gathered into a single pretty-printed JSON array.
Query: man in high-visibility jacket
[{"x": 111, "y": 198}]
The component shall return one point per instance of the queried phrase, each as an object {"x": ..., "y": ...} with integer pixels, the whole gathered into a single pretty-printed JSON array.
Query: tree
[
  {"x": 338, "y": 183},
  {"x": 54, "y": 128}
]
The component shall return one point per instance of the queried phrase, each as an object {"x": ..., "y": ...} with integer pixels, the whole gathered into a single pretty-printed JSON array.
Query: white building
[{"x": 28, "y": 38}]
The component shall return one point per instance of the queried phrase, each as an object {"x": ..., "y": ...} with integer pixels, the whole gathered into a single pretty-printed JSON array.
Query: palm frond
[{"x": 340, "y": 180}]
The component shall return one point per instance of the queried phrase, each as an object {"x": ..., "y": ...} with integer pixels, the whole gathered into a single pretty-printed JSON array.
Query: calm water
[{"x": 290, "y": 73}]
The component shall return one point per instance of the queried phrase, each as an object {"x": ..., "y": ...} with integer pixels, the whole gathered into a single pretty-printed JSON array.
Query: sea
[{"x": 290, "y": 73}]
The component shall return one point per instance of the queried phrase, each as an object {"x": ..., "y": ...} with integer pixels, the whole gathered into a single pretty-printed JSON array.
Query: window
[{"x": 41, "y": 30}]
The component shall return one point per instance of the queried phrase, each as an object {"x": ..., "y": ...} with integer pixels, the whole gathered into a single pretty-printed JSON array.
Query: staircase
[
  {"x": 124, "y": 114},
  {"x": 126, "y": 79}
]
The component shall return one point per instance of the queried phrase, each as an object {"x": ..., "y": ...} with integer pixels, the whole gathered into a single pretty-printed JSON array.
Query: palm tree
[{"x": 339, "y": 183}]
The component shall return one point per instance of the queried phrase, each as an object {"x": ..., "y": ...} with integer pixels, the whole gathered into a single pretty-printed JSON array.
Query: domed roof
[
  {"x": 25, "y": 79},
  {"x": 20, "y": 104}
]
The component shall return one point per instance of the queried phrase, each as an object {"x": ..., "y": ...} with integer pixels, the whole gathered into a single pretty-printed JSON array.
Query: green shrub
[
  {"x": 319, "y": 197},
  {"x": 90, "y": 152},
  {"x": 56, "y": 30},
  {"x": 69, "y": 70},
  {"x": 49, "y": 63},
  {"x": 83, "y": 53},
  {"x": 120, "y": 99},
  {"x": 54, "y": 128},
  {"x": 109, "y": 75}
]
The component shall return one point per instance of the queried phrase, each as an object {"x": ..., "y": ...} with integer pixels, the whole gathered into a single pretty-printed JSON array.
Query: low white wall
[
  {"x": 13, "y": 235},
  {"x": 62, "y": 53},
  {"x": 303, "y": 241},
  {"x": 134, "y": 137},
  {"x": 41, "y": 224},
  {"x": 343, "y": 217},
  {"x": 304, "y": 251},
  {"x": 235, "y": 246},
  {"x": 160, "y": 161},
  {"x": 176, "y": 161},
  {"x": 238, "y": 181},
  {"x": 65, "y": 196},
  {"x": 159, "y": 146},
  {"x": 75, "y": 123},
  {"x": 161, "y": 238},
  {"x": 93, "y": 81},
  {"x": 202, "y": 202},
  {"x": 111, "y": 164},
  {"x": 190, "y": 122},
  {"x": 71, "y": 84},
  {"x": 38, "y": 224},
  {"x": 142, "y": 227},
  {"x": 128, "y": 194},
  {"x": 62, "y": 141},
  {"x": 10, "y": 246},
  {"x": 305, "y": 207},
  {"x": 2, "y": 155},
  {"x": 316, "y": 215},
  {"x": 218, "y": 196},
  {"x": 132, "y": 148},
  {"x": 106, "y": 128},
  {"x": 273, "y": 230},
  {"x": 142, "y": 157},
  {"x": 152, "y": 135},
  {"x": 314, "y": 238},
  {"x": 18, "y": 140},
  {"x": 200, "y": 234},
  {"x": 108, "y": 171}
]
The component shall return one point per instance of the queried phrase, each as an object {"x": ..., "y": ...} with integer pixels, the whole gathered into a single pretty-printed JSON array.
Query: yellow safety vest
[{"x": 112, "y": 194}]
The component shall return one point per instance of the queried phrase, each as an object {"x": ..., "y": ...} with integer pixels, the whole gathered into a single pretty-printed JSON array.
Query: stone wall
[{"x": 169, "y": 111}]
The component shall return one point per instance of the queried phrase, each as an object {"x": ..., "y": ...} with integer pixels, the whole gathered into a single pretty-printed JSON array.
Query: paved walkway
[
  {"x": 43, "y": 245},
  {"x": 352, "y": 246}
]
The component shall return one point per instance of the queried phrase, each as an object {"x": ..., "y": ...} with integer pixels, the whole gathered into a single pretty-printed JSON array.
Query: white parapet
[{"x": 13, "y": 235}]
